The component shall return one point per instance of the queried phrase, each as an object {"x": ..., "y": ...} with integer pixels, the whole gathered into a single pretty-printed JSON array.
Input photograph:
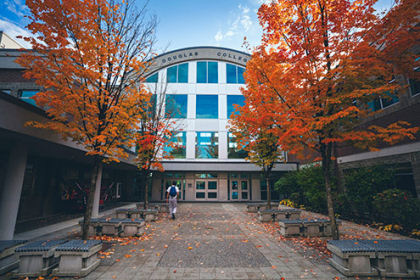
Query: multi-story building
[{"x": 202, "y": 85}]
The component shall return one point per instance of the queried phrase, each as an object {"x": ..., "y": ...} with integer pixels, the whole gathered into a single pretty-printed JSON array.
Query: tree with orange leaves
[
  {"x": 154, "y": 134},
  {"x": 253, "y": 133},
  {"x": 319, "y": 64},
  {"x": 90, "y": 57}
]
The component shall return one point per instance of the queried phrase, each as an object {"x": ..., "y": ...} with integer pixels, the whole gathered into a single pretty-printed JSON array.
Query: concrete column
[
  {"x": 10, "y": 198},
  {"x": 95, "y": 210}
]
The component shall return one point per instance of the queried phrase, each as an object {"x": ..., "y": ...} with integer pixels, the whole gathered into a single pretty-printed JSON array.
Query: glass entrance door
[
  {"x": 206, "y": 190},
  {"x": 239, "y": 190}
]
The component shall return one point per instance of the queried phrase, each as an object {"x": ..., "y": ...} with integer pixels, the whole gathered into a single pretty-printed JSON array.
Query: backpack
[{"x": 172, "y": 191}]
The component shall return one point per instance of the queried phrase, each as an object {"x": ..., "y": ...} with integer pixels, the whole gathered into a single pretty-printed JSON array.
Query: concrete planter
[
  {"x": 289, "y": 228},
  {"x": 8, "y": 259},
  {"x": 37, "y": 258},
  {"x": 132, "y": 227},
  {"x": 78, "y": 258}
]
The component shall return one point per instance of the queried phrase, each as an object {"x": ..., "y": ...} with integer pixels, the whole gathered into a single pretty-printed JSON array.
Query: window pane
[
  {"x": 206, "y": 145},
  {"x": 213, "y": 73},
  {"x": 176, "y": 106},
  {"x": 200, "y": 185},
  {"x": 244, "y": 185},
  {"x": 231, "y": 74},
  {"x": 212, "y": 185},
  {"x": 241, "y": 79},
  {"x": 152, "y": 79},
  {"x": 207, "y": 107},
  {"x": 211, "y": 175},
  {"x": 8, "y": 91},
  {"x": 212, "y": 195},
  {"x": 200, "y": 175},
  {"x": 414, "y": 87},
  {"x": 244, "y": 195},
  {"x": 234, "y": 185},
  {"x": 201, "y": 72},
  {"x": 234, "y": 195},
  {"x": 233, "y": 100},
  {"x": 26, "y": 95},
  {"x": 233, "y": 150},
  {"x": 200, "y": 195},
  {"x": 389, "y": 101},
  {"x": 171, "y": 74},
  {"x": 183, "y": 73},
  {"x": 179, "y": 142}
]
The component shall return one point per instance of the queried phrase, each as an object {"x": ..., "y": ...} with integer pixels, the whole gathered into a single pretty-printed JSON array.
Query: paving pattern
[{"x": 206, "y": 241}]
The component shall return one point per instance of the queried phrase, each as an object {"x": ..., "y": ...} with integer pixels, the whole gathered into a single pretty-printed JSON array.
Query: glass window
[
  {"x": 183, "y": 73},
  {"x": 233, "y": 100},
  {"x": 212, "y": 195},
  {"x": 234, "y": 74},
  {"x": 233, "y": 150},
  {"x": 8, "y": 91},
  {"x": 381, "y": 103},
  {"x": 200, "y": 195},
  {"x": 234, "y": 175},
  {"x": 179, "y": 143},
  {"x": 152, "y": 79},
  {"x": 200, "y": 185},
  {"x": 177, "y": 73},
  {"x": 206, "y": 145},
  {"x": 212, "y": 185},
  {"x": 414, "y": 87},
  {"x": 26, "y": 95},
  {"x": 207, "y": 72},
  {"x": 207, "y": 107},
  {"x": 176, "y": 106},
  {"x": 200, "y": 175}
]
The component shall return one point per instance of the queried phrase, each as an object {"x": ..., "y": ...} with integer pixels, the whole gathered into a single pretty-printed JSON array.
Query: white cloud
[
  {"x": 219, "y": 36},
  {"x": 13, "y": 30},
  {"x": 17, "y": 7},
  {"x": 245, "y": 18}
]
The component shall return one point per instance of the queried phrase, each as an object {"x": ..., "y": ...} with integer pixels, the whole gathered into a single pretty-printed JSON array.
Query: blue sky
[{"x": 183, "y": 23}]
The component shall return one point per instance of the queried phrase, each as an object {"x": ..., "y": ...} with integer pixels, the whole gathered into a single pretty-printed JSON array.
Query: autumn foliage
[
  {"x": 89, "y": 56},
  {"x": 318, "y": 66}
]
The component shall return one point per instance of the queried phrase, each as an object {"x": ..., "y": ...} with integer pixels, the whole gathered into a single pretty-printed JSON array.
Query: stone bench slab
[
  {"x": 77, "y": 258},
  {"x": 8, "y": 259},
  {"x": 37, "y": 258}
]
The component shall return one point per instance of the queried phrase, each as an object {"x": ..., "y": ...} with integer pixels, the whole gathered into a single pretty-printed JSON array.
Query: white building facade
[{"x": 201, "y": 87}]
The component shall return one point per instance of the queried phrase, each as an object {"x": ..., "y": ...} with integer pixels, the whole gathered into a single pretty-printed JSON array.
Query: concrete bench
[
  {"x": 8, "y": 259},
  {"x": 163, "y": 208},
  {"x": 37, "y": 258},
  {"x": 306, "y": 227},
  {"x": 268, "y": 215},
  {"x": 289, "y": 228},
  {"x": 132, "y": 227},
  {"x": 352, "y": 257},
  {"x": 386, "y": 258},
  {"x": 395, "y": 258},
  {"x": 255, "y": 207},
  {"x": 128, "y": 213},
  {"x": 77, "y": 258},
  {"x": 93, "y": 226}
]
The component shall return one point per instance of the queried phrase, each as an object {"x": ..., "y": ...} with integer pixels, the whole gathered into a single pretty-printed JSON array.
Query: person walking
[{"x": 172, "y": 198}]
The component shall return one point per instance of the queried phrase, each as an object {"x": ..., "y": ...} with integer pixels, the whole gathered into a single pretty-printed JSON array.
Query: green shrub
[
  {"x": 362, "y": 185},
  {"x": 399, "y": 207},
  {"x": 305, "y": 187}
]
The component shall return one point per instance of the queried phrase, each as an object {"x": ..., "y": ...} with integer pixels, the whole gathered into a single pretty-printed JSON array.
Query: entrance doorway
[
  {"x": 179, "y": 184},
  {"x": 239, "y": 190},
  {"x": 206, "y": 190}
]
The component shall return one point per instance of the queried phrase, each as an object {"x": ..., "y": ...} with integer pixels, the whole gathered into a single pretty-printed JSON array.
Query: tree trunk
[
  {"x": 326, "y": 162},
  {"x": 89, "y": 205},
  {"x": 145, "y": 175},
  {"x": 267, "y": 178}
]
